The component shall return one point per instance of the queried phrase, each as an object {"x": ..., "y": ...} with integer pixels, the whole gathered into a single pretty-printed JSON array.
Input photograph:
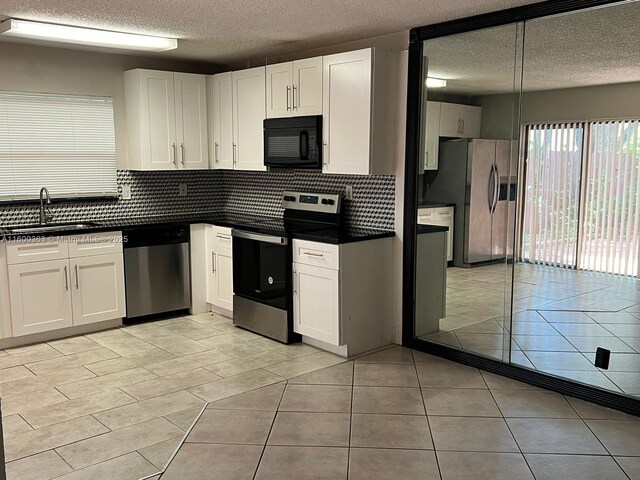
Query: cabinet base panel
[
  {"x": 341, "y": 350},
  {"x": 57, "y": 334},
  {"x": 219, "y": 310}
]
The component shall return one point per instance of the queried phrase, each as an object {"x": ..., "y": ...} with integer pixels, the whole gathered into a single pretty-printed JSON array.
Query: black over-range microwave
[{"x": 294, "y": 142}]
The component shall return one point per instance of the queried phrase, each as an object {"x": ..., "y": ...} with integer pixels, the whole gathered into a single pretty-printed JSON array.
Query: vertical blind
[
  {"x": 552, "y": 193},
  {"x": 65, "y": 143},
  {"x": 581, "y": 201},
  {"x": 609, "y": 238}
]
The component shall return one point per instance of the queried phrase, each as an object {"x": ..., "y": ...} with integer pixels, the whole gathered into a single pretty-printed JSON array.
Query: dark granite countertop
[
  {"x": 431, "y": 229},
  {"x": 435, "y": 204},
  {"x": 254, "y": 223},
  {"x": 345, "y": 235}
]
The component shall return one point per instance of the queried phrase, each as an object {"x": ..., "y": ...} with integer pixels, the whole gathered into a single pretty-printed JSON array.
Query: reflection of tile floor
[
  {"x": 404, "y": 415},
  {"x": 116, "y": 404},
  {"x": 561, "y": 317}
]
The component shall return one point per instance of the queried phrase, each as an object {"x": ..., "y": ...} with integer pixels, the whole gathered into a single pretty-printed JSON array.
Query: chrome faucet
[{"x": 45, "y": 214}]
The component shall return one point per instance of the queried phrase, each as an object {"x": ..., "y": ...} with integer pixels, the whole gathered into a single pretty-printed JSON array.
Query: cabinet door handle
[
  {"x": 182, "y": 154},
  {"x": 75, "y": 267},
  {"x": 215, "y": 153},
  {"x": 213, "y": 262},
  {"x": 294, "y": 96},
  {"x": 458, "y": 126},
  {"x": 325, "y": 160},
  {"x": 295, "y": 283},
  {"x": 66, "y": 278},
  {"x": 310, "y": 254},
  {"x": 462, "y": 128},
  {"x": 175, "y": 154},
  {"x": 223, "y": 237},
  {"x": 288, "y": 93},
  {"x": 234, "y": 153}
]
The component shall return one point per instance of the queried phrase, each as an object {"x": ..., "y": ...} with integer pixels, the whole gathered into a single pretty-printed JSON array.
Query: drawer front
[
  {"x": 221, "y": 237},
  {"x": 315, "y": 253},
  {"x": 37, "y": 249},
  {"x": 426, "y": 215},
  {"x": 444, "y": 212},
  {"x": 95, "y": 244}
]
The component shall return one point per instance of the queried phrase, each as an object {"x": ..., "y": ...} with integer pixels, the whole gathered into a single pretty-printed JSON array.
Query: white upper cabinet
[
  {"x": 307, "y": 87},
  {"x": 430, "y": 156},
  {"x": 461, "y": 121},
  {"x": 449, "y": 119},
  {"x": 237, "y": 108},
  {"x": 279, "y": 90},
  {"x": 359, "y": 111},
  {"x": 294, "y": 88},
  {"x": 166, "y": 117},
  {"x": 221, "y": 108},
  {"x": 248, "y": 117},
  {"x": 191, "y": 120},
  {"x": 471, "y": 117}
]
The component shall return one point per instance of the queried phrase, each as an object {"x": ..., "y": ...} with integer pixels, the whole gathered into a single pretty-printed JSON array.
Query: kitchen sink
[{"x": 51, "y": 227}]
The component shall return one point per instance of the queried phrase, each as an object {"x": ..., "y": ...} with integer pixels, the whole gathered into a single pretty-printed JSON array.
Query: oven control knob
[
  {"x": 289, "y": 198},
  {"x": 327, "y": 201}
]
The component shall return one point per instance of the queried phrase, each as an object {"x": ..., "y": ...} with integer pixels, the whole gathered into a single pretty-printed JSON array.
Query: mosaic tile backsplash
[{"x": 156, "y": 193}]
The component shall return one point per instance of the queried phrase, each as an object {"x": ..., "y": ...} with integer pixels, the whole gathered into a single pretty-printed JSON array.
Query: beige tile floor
[
  {"x": 403, "y": 415},
  {"x": 116, "y": 404},
  {"x": 560, "y": 317}
]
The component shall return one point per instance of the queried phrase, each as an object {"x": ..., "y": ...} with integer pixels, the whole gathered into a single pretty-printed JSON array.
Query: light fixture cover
[
  {"x": 85, "y": 36},
  {"x": 433, "y": 82}
]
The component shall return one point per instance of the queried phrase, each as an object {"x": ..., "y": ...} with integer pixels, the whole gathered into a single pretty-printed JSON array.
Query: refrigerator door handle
[
  {"x": 491, "y": 188},
  {"x": 497, "y": 187}
]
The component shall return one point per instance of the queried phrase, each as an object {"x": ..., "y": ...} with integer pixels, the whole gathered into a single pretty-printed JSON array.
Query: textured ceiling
[
  {"x": 227, "y": 31},
  {"x": 595, "y": 47}
]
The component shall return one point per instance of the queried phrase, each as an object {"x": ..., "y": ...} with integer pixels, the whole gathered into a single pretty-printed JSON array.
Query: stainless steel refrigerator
[{"x": 474, "y": 174}]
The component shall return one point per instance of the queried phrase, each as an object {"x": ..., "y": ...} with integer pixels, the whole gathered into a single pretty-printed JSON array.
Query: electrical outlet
[
  {"x": 126, "y": 192},
  {"x": 348, "y": 192},
  {"x": 183, "y": 190}
]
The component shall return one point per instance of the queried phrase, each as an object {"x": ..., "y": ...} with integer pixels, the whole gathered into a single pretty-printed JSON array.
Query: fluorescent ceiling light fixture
[
  {"x": 433, "y": 82},
  {"x": 85, "y": 36}
]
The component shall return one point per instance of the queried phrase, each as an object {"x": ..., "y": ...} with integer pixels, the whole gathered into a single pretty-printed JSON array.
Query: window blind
[
  {"x": 65, "y": 143},
  {"x": 552, "y": 194}
]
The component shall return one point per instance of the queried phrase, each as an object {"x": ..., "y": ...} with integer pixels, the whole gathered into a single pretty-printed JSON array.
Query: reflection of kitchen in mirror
[
  {"x": 577, "y": 241},
  {"x": 545, "y": 193},
  {"x": 468, "y": 182}
]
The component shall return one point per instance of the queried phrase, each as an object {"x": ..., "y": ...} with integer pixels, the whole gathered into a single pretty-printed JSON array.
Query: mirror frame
[{"x": 417, "y": 36}]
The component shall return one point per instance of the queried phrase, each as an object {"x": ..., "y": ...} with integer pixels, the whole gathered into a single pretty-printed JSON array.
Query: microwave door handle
[{"x": 304, "y": 145}]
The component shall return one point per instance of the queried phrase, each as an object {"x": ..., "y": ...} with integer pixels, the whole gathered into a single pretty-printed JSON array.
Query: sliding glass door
[
  {"x": 553, "y": 166},
  {"x": 610, "y": 229},
  {"x": 581, "y": 196}
]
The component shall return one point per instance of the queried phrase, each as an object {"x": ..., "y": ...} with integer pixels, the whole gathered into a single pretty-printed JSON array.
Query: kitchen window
[{"x": 63, "y": 142}]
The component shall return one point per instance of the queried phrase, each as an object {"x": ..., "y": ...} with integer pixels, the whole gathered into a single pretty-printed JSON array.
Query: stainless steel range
[{"x": 262, "y": 264}]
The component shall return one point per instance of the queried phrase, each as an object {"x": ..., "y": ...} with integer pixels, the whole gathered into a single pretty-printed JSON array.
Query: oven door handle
[{"x": 258, "y": 237}]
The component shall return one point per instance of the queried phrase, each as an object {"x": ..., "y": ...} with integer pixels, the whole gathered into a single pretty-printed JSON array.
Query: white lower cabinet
[
  {"x": 442, "y": 217},
  {"x": 47, "y": 295},
  {"x": 40, "y": 296},
  {"x": 343, "y": 295},
  {"x": 219, "y": 290},
  {"x": 97, "y": 292},
  {"x": 316, "y": 308}
]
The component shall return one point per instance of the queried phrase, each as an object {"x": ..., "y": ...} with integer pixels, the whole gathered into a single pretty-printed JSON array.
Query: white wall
[
  {"x": 562, "y": 105},
  {"x": 31, "y": 68}
]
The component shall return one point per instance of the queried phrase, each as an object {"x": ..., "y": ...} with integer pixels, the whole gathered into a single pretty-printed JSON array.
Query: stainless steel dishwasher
[{"x": 156, "y": 268}]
